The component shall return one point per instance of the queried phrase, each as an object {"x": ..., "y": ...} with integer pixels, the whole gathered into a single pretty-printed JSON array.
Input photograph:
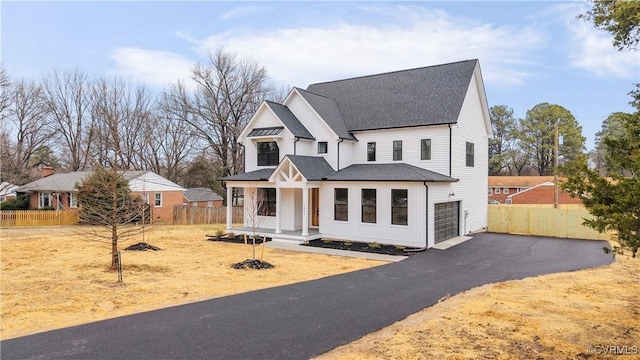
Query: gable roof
[
  {"x": 311, "y": 167},
  {"x": 328, "y": 111},
  {"x": 201, "y": 194},
  {"x": 388, "y": 172},
  {"x": 67, "y": 182},
  {"x": 257, "y": 175},
  {"x": 424, "y": 96},
  {"x": 289, "y": 120},
  {"x": 517, "y": 181}
]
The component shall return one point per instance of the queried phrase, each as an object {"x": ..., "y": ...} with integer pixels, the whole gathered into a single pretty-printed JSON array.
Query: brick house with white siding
[{"x": 396, "y": 158}]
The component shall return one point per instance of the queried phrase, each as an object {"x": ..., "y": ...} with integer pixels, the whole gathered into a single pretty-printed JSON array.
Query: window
[
  {"x": 399, "y": 199},
  {"x": 73, "y": 200},
  {"x": 469, "y": 154},
  {"x": 397, "y": 150},
  {"x": 45, "y": 200},
  {"x": 194, "y": 204},
  {"x": 322, "y": 147},
  {"x": 158, "y": 199},
  {"x": 268, "y": 153},
  {"x": 266, "y": 201},
  {"x": 145, "y": 197},
  {"x": 341, "y": 204},
  {"x": 369, "y": 206},
  {"x": 490, "y": 192},
  {"x": 505, "y": 190},
  {"x": 425, "y": 149},
  {"x": 497, "y": 191},
  {"x": 209, "y": 203},
  {"x": 371, "y": 151}
]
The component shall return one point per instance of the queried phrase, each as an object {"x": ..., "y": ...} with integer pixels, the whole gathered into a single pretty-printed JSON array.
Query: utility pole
[{"x": 555, "y": 165}]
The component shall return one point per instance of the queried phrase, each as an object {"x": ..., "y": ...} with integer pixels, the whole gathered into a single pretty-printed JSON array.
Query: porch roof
[
  {"x": 388, "y": 172},
  {"x": 313, "y": 168},
  {"x": 257, "y": 175}
]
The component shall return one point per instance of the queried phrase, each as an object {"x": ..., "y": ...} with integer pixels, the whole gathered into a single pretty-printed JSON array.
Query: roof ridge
[
  {"x": 390, "y": 72},
  {"x": 316, "y": 94}
]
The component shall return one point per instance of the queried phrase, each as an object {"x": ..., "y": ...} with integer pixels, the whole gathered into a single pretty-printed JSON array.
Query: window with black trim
[
  {"x": 369, "y": 206},
  {"x": 268, "y": 153},
  {"x": 341, "y": 204},
  {"x": 266, "y": 201},
  {"x": 470, "y": 156},
  {"x": 371, "y": 151},
  {"x": 399, "y": 200},
  {"x": 425, "y": 149},
  {"x": 397, "y": 150},
  {"x": 322, "y": 147}
]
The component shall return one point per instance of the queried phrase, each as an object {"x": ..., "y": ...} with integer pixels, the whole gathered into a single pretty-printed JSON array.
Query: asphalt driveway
[{"x": 307, "y": 319}]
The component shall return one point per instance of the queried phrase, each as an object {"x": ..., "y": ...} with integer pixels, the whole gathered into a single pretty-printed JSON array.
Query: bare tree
[
  {"x": 69, "y": 104},
  {"x": 25, "y": 132},
  {"x": 5, "y": 93}
]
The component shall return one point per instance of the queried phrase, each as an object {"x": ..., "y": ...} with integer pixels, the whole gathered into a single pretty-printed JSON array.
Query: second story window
[
  {"x": 322, "y": 147},
  {"x": 371, "y": 151},
  {"x": 425, "y": 149},
  {"x": 470, "y": 154},
  {"x": 397, "y": 150},
  {"x": 268, "y": 153}
]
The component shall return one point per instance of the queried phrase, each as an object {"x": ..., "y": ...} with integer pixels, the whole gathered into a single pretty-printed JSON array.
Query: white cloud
[
  {"x": 240, "y": 12},
  {"x": 408, "y": 37},
  {"x": 155, "y": 68}
]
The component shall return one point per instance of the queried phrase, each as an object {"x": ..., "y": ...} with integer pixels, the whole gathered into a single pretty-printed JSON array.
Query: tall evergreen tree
[{"x": 501, "y": 145}]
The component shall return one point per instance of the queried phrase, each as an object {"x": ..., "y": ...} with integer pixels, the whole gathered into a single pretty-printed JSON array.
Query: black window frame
[
  {"x": 425, "y": 149},
  {"x": 368, "y": 211},
  {"x": 397, "y": 150},
  {"x": 399, "y": 208},
  {"x": 271, "y": 157},
  {"x": 266, "y": 201},
  {"x": 371, "y": 151},
  {"x": 323, "y": 144},
  {"x": 470, "y": 157},
  {"x": 341, "y": 204}
]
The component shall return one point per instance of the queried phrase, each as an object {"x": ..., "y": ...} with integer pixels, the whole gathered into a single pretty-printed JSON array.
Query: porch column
[
  {"x": 278, "y": 211},
  {"x": 305, "y": 211},
  {"x": 229, "y": 206}
]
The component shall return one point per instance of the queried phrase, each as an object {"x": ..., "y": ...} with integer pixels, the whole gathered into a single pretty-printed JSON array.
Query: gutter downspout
[
  {"x": 426, "y": 217},
  {"x": 450, "y": 148},
  {"x": 338, "y": 160},
  {"x": 244, "y": 158},
  {"x": 294, "y": 144}
]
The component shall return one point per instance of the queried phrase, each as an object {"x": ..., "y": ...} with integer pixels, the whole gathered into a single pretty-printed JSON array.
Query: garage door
[{"x": 447, "y": 220}]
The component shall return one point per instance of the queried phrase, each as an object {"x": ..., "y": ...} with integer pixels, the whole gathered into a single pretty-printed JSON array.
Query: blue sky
[{"x": 529, "y": 52}]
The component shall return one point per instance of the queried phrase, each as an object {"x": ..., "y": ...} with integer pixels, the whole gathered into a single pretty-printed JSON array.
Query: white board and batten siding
[
  {"x": 266, "y": 118},
  {"x": 382, "y": 232}
]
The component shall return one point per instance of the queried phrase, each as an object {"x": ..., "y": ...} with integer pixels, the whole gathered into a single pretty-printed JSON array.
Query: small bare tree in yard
[
  {"x": 107, "y": 201},
  {"x": 258, "y": 202}
]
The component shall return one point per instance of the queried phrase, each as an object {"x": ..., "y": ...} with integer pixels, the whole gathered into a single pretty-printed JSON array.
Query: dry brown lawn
[{"x": 55, "y": 277}]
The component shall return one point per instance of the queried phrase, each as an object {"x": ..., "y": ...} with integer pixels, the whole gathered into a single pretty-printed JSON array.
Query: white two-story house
[{"x": 396, "y": 158}]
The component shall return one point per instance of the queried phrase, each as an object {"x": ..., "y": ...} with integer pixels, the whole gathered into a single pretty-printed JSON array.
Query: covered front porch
[{"x": 289, "y": 236}]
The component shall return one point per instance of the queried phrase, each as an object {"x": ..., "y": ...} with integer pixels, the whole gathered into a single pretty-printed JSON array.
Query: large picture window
[
  {"x": 369, "y": 206},
  {"x": 45, "y": 200},
  {"x": 399, "y": 200},
  {"x": 268, "y": 153},
  {"x": 371, "y": 151},
  {"x": 425, "y": 149},
  {"x": 397, "y": 150},
  {"x": 470, "y": 157},
  {"x": 341, "y": 204},
  {"x": 266, "y": 201}
]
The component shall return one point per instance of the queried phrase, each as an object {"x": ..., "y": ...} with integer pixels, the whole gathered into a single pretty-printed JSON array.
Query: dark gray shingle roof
[
  {"x": 328, "y": 110},
  {"x": 424, "y": 96},
  {"x": 289, "y": 120},
  {"x": 201, "y": 194},
  {"x": 387, "y": 172},
  {"x": 258, "y": 175},
  {"x": 311, "y": 167}
]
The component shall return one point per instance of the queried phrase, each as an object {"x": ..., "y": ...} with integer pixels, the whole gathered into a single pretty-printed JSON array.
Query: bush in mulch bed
[
  {"x": 236, "y": 239},
  {"x": 142, "y": 246},
  {"x": 252, "y": 264},
  {"x": 360, "y": 246}
]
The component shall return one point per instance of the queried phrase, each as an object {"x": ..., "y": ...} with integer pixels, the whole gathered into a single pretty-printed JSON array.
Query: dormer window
[{"x": 268, "y": 153}]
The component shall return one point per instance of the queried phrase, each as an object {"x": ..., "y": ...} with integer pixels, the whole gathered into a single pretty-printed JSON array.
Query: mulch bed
[
  {"x": 142, "y": 246},
  {"x": 252, "y": 264},
  {"x": 239, "y": 239},
  {"x": 359, "y": 246}
]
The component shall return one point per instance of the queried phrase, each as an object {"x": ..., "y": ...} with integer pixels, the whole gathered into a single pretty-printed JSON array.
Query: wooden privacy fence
[
  {"x": 191, "y": 215},
  {"x": 543, "y": 220},
  {"x": 38, "y": 218}
]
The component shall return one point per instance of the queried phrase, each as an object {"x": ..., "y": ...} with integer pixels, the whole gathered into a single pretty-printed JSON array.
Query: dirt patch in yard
[{"x": 56, "y": 277}]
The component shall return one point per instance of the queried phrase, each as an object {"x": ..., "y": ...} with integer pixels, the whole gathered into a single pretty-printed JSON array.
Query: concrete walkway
[{"x": 303, "y": 320}]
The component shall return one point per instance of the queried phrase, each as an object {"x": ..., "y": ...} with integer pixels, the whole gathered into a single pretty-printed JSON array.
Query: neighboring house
[
  {"x": 58, "y": 191},
  {"x": 542, "y": 194},
  {"x": 396, "y": 158},
  {"x": 202, "y": 197},
  {"x": 500, "y": 187},
  {"x": 7, "y": 191}
]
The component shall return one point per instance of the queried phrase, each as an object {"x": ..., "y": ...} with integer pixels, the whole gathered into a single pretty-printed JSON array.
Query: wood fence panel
[
  {"x": 38, "y": 218},
  {"x": 191, "y": 215},
  {"x": 543, "y": 220}
]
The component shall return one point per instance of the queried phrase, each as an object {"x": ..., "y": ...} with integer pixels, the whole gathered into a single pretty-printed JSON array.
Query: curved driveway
[{"x": 306, "y": 319}]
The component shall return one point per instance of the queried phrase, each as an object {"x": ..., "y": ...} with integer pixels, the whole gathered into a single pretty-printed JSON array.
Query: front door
[{"x": 315, "y": 207}]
